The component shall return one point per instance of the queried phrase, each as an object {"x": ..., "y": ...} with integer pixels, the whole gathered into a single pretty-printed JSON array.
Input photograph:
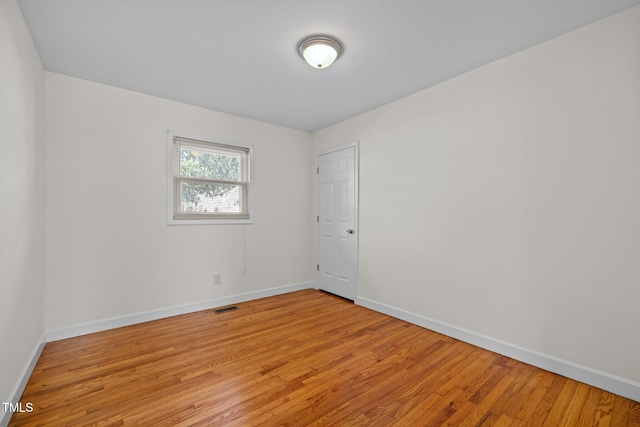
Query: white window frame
[{"x": 173, "y": 182}]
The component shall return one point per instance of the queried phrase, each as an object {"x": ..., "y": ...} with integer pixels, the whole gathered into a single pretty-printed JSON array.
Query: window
[{"x": 210, "y": 181}]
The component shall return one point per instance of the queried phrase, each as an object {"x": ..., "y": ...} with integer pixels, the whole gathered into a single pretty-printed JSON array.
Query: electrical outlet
[{"x": 217, "y": 279}]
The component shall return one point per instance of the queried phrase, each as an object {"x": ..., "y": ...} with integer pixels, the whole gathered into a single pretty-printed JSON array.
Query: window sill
[{"x": 220, "y": 221}]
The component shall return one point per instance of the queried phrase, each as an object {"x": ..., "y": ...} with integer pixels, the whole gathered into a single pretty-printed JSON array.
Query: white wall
[
  {"x": 21, "y": 198},
  {"x": 506, "y": 201},
  {"x": 109, "y": 250}
]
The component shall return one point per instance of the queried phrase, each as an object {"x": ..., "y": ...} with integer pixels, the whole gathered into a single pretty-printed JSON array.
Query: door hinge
[
  {"x": 317, "y": 267},
  {"x": 318, "y": 218},
  {"x": 318, "y": 170}
]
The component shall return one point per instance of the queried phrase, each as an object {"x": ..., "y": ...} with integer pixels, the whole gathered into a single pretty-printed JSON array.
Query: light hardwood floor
[{"x": 305, "y": 358}]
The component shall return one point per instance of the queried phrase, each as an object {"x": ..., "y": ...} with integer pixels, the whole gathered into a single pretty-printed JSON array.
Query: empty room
[{"x": 367, "y": 212}]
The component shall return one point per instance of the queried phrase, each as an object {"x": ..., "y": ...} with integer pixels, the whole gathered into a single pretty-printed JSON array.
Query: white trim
[
  {"x": 23, "y": 378},
  {"x": 170, "y": 198},
  {"x": 146, "y": 316},
  {"x": 355, "y": 144},
  {"x": 356, "y": 185},
  {"x": 612, "y": 383}
]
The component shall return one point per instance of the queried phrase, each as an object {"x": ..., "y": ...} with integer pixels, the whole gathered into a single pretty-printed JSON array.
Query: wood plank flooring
[{"x": 301, "y": 359}]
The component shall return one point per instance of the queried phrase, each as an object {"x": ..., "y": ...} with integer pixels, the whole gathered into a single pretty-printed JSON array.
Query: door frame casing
[{"x": 356, "y": 219}]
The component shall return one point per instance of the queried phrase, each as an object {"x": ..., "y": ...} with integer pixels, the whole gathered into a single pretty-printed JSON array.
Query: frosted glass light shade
[{"x": 320, "y": 50}]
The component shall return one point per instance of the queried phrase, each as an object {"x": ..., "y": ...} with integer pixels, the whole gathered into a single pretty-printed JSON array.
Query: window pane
[
  {"x": 196, "y": 163},
  {"x": 209, "y": 181},
  {"x": 210, "y": 198}
]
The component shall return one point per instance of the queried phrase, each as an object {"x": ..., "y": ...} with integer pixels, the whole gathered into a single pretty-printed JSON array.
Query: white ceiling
[{"x": 239, "y": 56}]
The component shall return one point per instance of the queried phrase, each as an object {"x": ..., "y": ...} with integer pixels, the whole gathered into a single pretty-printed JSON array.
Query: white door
[{"x": 337, "y": 222}]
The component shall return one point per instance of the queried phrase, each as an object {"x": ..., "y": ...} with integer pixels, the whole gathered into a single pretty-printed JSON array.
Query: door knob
[{"x": 350, "y": 231}]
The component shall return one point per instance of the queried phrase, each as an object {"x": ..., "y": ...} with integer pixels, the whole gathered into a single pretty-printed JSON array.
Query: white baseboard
[
  {"x": 132, "y": 319},
  {"x": 23, "y": 378},
  {"x": 612, "y": 383}
]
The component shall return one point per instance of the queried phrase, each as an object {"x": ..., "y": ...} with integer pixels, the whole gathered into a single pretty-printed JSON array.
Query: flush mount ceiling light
[{"x": 320, "y": 50}]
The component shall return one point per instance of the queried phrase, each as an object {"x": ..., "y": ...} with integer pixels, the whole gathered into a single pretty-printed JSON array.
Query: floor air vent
[{"x": 225, "y": 309}]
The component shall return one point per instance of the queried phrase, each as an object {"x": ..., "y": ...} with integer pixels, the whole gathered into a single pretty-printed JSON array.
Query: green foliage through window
[
  {"x": 194, "y": 197},
  {"x": 210, "y": 179}
]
